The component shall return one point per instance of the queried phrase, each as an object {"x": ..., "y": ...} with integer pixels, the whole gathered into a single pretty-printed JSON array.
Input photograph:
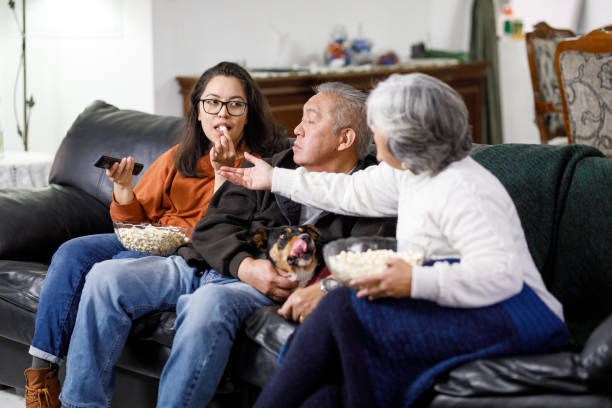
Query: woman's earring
[{"x": 404, "y": 166}]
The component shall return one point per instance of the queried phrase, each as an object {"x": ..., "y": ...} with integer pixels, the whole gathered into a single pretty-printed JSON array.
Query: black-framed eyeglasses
[{"x": 214, "y": 106}]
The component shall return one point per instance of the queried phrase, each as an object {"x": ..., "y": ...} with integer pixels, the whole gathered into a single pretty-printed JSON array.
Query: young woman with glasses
[{"x": 228, "y": 116}]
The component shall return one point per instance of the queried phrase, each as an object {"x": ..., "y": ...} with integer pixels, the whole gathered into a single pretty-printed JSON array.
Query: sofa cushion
[
  {"x": 257, "y": 346},
  {"x": 104, "y": 129}
]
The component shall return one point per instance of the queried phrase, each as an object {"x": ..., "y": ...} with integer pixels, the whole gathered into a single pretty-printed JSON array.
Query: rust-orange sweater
[{"x": 165, "y": 196}]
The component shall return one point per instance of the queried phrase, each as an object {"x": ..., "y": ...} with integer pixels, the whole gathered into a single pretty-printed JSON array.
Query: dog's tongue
[{"x": 299, "y": 247}]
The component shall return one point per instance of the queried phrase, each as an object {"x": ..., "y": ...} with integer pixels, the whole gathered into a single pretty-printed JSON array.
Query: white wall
[
  {"x": 597, "y": 13},
  {"x": 192, "y": 35},
  {"x": 517, "y": 104},
  {"x": 449, "y": 24},
  {"x": 131, "y": 58},
  {"x": 580, "y": 16},
  {"x": 108, "y": 55},
  {"x": 556, "y": 13},
  {"x": 129, "y": 52}
]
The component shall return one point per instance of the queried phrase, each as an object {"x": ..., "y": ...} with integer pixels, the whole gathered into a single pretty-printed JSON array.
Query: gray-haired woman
[{"x": 445, "y": 313}]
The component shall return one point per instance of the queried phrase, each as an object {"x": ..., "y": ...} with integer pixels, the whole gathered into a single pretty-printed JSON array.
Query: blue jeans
[
  {"x": 62, "y": 288},
  {"x": 210, "y": 310}
]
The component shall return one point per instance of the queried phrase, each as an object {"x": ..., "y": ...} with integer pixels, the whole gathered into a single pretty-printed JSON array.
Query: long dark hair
[{"x": 261, "y": 134}]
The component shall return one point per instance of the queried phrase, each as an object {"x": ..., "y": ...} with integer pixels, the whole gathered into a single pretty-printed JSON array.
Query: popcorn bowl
[
  {"x": 154, "y": 239},
  {"x": 355, "y": 257}
]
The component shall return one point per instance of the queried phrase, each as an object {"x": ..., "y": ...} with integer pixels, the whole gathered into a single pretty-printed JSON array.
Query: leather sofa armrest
[
  {"x": 35, "y": 222},
  {"x": 588, "y": 371},
  {"x": 596, "y": 356},
  {"x": 519, "y": 375}
]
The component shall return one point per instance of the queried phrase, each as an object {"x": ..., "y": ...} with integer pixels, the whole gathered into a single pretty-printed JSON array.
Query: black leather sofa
[{"x": 34, "y": 222}]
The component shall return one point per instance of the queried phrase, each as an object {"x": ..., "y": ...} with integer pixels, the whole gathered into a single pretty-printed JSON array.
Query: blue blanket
[{"x": 357, "y": 353}]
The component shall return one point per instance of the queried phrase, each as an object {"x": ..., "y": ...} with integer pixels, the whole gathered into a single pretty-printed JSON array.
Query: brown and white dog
[{"x": 293, "y": 249}]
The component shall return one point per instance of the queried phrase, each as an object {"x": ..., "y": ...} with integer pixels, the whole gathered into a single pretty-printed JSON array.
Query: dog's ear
[
  {"x": 259, "y": 239},
  {"x": 313, "y": 231}
]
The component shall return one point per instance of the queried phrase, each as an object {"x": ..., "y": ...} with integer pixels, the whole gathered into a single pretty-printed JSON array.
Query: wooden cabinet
[{"x": 287, "y": 94}]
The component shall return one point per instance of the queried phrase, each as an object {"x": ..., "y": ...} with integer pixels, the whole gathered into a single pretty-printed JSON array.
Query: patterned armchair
[
  {"x": 584, "y": 68},
  {"x": 541, "y": 45}
]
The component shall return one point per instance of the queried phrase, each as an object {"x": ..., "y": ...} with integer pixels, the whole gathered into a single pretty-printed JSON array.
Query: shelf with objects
[{"x": 288, "y": 89}]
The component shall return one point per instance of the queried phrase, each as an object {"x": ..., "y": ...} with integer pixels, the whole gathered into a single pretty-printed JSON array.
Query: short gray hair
[
  {"x": 425, "y": 120},
  {"x": 349, "y": 112}
]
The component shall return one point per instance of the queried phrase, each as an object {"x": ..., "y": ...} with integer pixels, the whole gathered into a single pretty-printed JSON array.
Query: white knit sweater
[{"x": 462, "y": 212}]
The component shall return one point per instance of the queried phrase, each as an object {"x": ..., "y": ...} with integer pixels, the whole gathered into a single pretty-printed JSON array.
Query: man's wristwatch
[{"x": 328, "y": 284}]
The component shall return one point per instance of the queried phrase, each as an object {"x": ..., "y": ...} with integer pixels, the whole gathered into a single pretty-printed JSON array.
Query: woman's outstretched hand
[
  {"x": 258, "y": 177},
  {"x": 395, "y": 281}
]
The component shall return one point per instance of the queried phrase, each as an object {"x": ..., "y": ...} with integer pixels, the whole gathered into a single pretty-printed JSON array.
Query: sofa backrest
[
  {"x": 563, "y": 196},
  {"x": 104, "y": 129}
]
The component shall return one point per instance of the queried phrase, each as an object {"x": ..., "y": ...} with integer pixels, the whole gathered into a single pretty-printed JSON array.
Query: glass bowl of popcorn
[
  {"x": 154, "y": 239},
  {"x": 356, "y": 257}
]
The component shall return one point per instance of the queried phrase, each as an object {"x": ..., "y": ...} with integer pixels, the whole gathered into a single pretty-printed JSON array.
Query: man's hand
[
  {"x": 266, "y": 278},
  {"x": 301, "y": 303},
  {"x": 395, "y": 281},
  {"x": 258, "y": 177}
]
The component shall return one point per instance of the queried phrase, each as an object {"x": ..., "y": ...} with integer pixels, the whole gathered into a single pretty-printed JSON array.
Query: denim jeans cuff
[{"x": 35, "y": 352}]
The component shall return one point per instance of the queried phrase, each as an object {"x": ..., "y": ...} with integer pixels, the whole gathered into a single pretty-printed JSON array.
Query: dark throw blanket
[
  {"x": 357, "y": 353},
  {"x": 563, "y": 198},
  {"x": 538, "y": 179}
]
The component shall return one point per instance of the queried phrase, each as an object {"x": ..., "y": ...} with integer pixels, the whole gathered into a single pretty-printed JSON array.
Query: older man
[{"x": 217, "y": 282}]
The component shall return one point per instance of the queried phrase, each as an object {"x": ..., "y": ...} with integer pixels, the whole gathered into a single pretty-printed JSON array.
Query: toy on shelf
[
  {"x": 388, "y": 58},
  {"x": 338, "y": 52},
  {"x": 361, "y": 48},
  {"x": 341, "y": 51}
]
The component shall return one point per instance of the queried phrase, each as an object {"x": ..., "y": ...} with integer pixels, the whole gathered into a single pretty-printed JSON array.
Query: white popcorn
[
  {"x": 222, "y": 128},
  {"x": 151, "y": 239},
  {"x": 351, "y": 265}
]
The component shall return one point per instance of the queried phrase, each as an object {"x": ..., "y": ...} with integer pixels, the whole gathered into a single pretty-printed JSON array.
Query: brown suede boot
[{"x": 42, "y": 388}]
